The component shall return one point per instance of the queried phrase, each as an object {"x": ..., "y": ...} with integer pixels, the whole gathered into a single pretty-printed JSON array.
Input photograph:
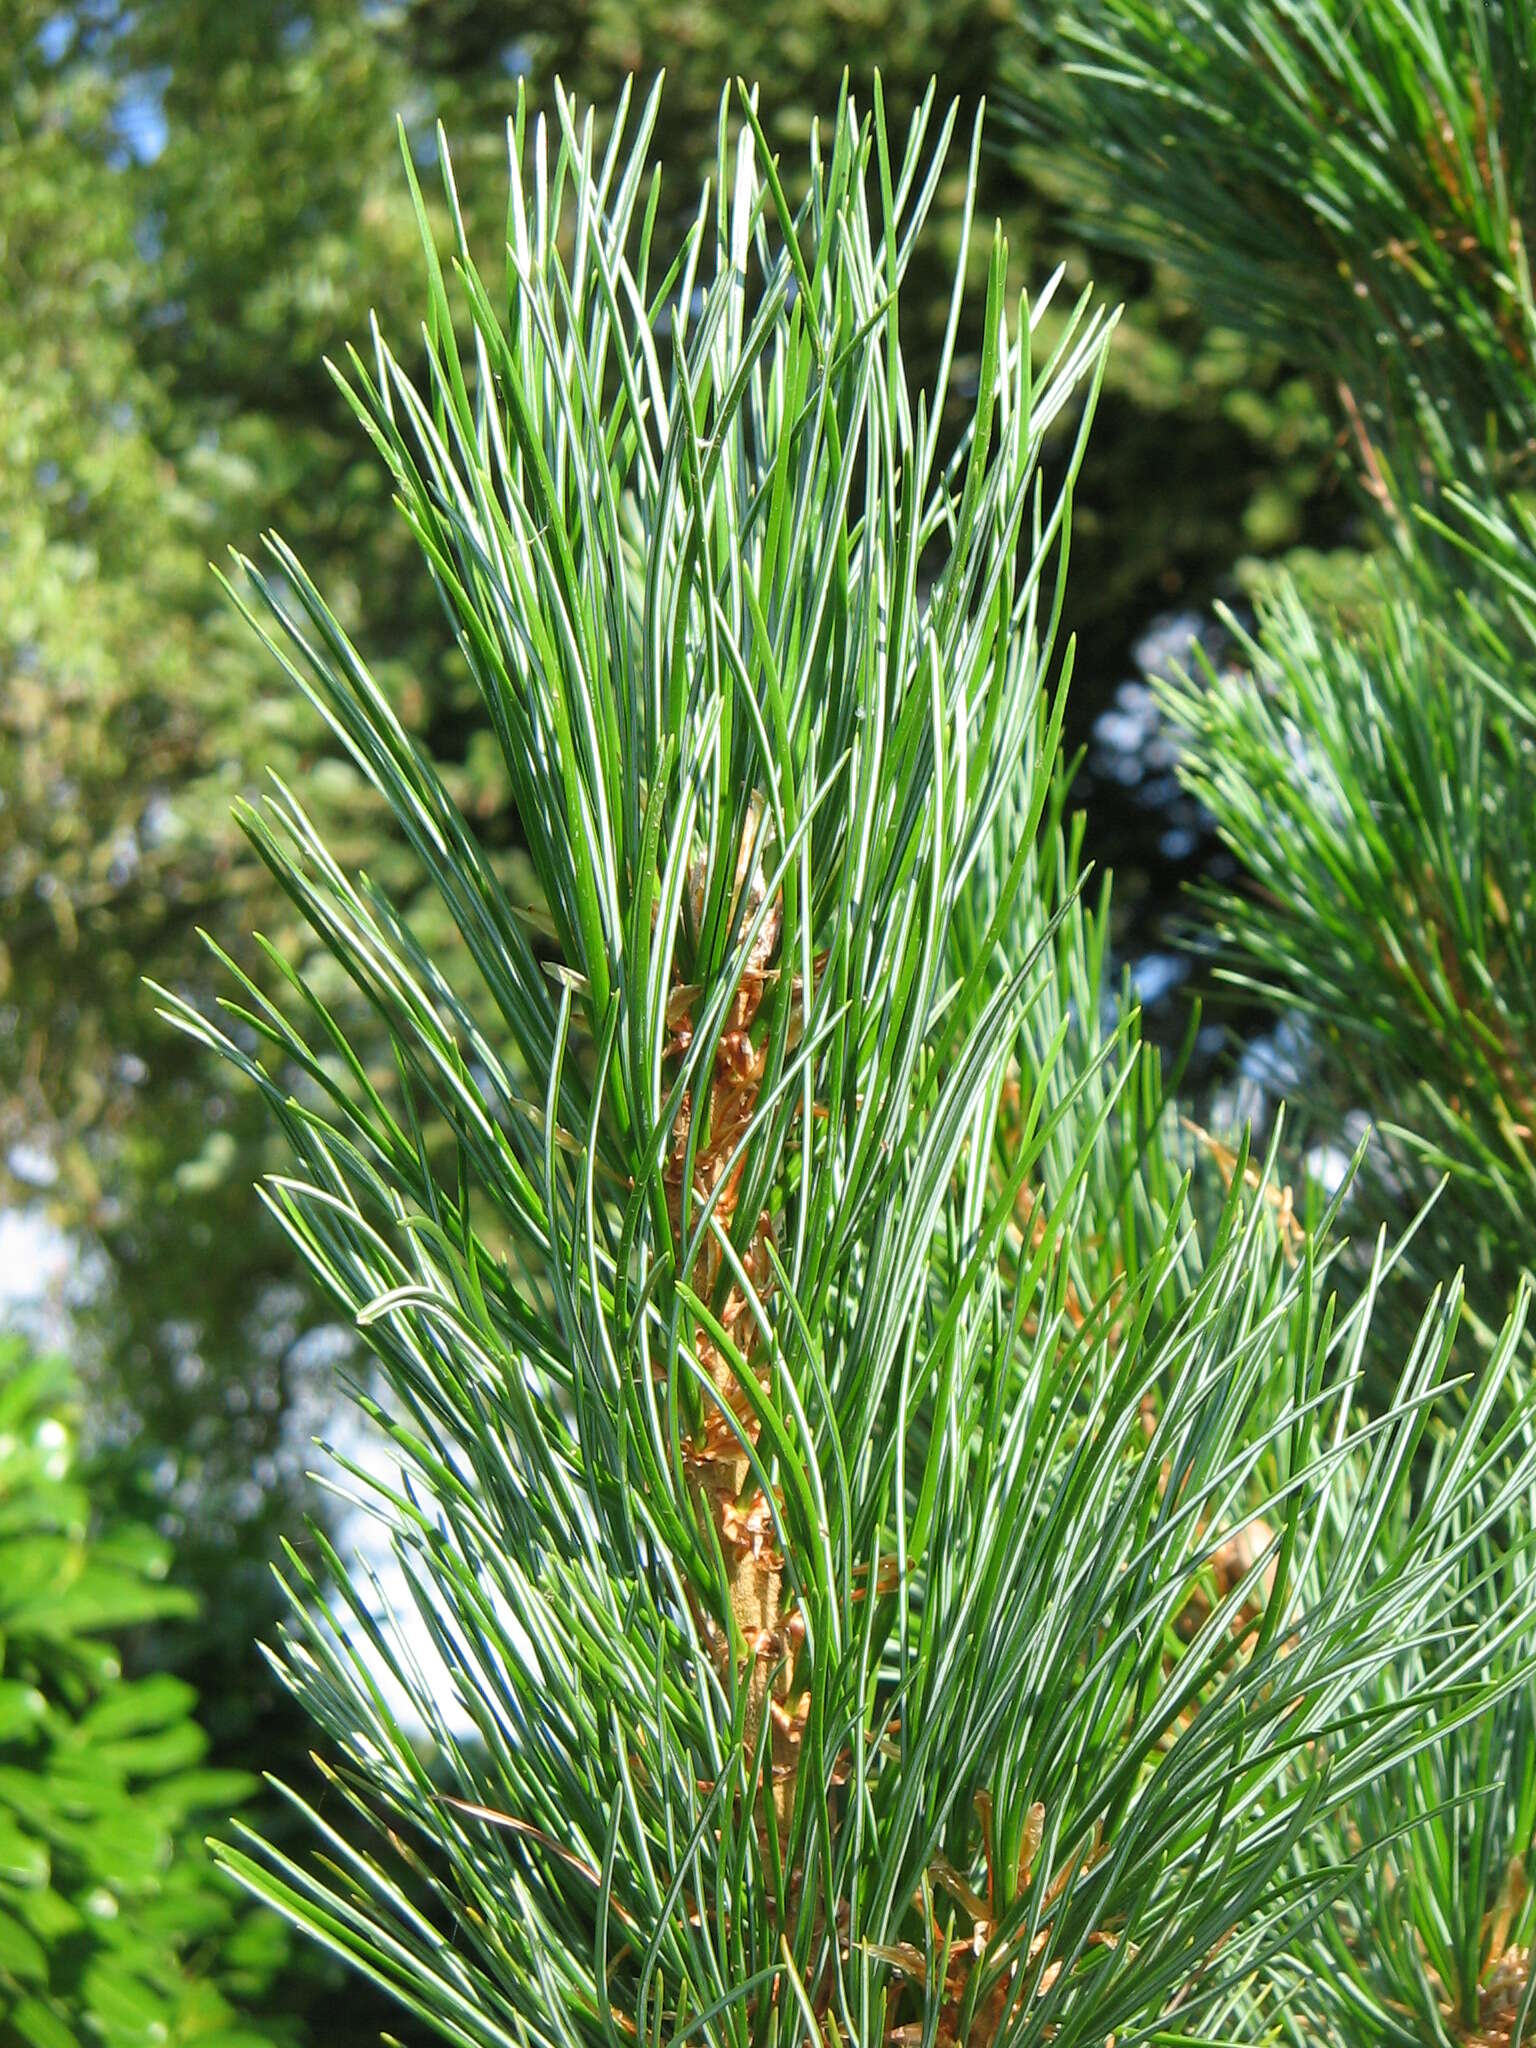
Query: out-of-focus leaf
[
  {"x": 40, "y": 2026},
  {"x": 144, "y": 1703},
  {"x": 21, "y": 1707},
  {"x": 105, "y": 1888},
  {"x": 21, "y": 1954}
]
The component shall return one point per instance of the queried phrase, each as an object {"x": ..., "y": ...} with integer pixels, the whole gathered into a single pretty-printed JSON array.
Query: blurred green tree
[{"x": 197, "y": 207}]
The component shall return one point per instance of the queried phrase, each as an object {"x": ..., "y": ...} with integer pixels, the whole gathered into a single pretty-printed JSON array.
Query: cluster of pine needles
[{"x": 906, "y": 1539}]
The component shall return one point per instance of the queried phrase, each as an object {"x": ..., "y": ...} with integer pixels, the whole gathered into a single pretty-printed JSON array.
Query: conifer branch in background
[
  {"x": 1383, "y": 802},
  {"x": 1356, "y": 182},
  {"x": 1347, "y": 178}
]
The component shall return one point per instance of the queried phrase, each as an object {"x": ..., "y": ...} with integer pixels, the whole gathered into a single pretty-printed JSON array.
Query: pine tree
[
  {"x": 1356, "y": 181},
  {"x": 902, "y": 1563}
]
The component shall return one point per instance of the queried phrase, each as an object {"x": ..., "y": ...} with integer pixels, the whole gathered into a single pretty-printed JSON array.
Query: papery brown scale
[{"x": 761, "y": 1651}]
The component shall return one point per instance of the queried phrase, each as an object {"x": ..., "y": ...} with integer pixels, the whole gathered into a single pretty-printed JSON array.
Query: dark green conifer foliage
[{"x": 1358, "y": 179}]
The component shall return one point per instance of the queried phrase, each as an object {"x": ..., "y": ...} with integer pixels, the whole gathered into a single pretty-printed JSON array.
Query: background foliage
[{"x": 114, "y": 1928}]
